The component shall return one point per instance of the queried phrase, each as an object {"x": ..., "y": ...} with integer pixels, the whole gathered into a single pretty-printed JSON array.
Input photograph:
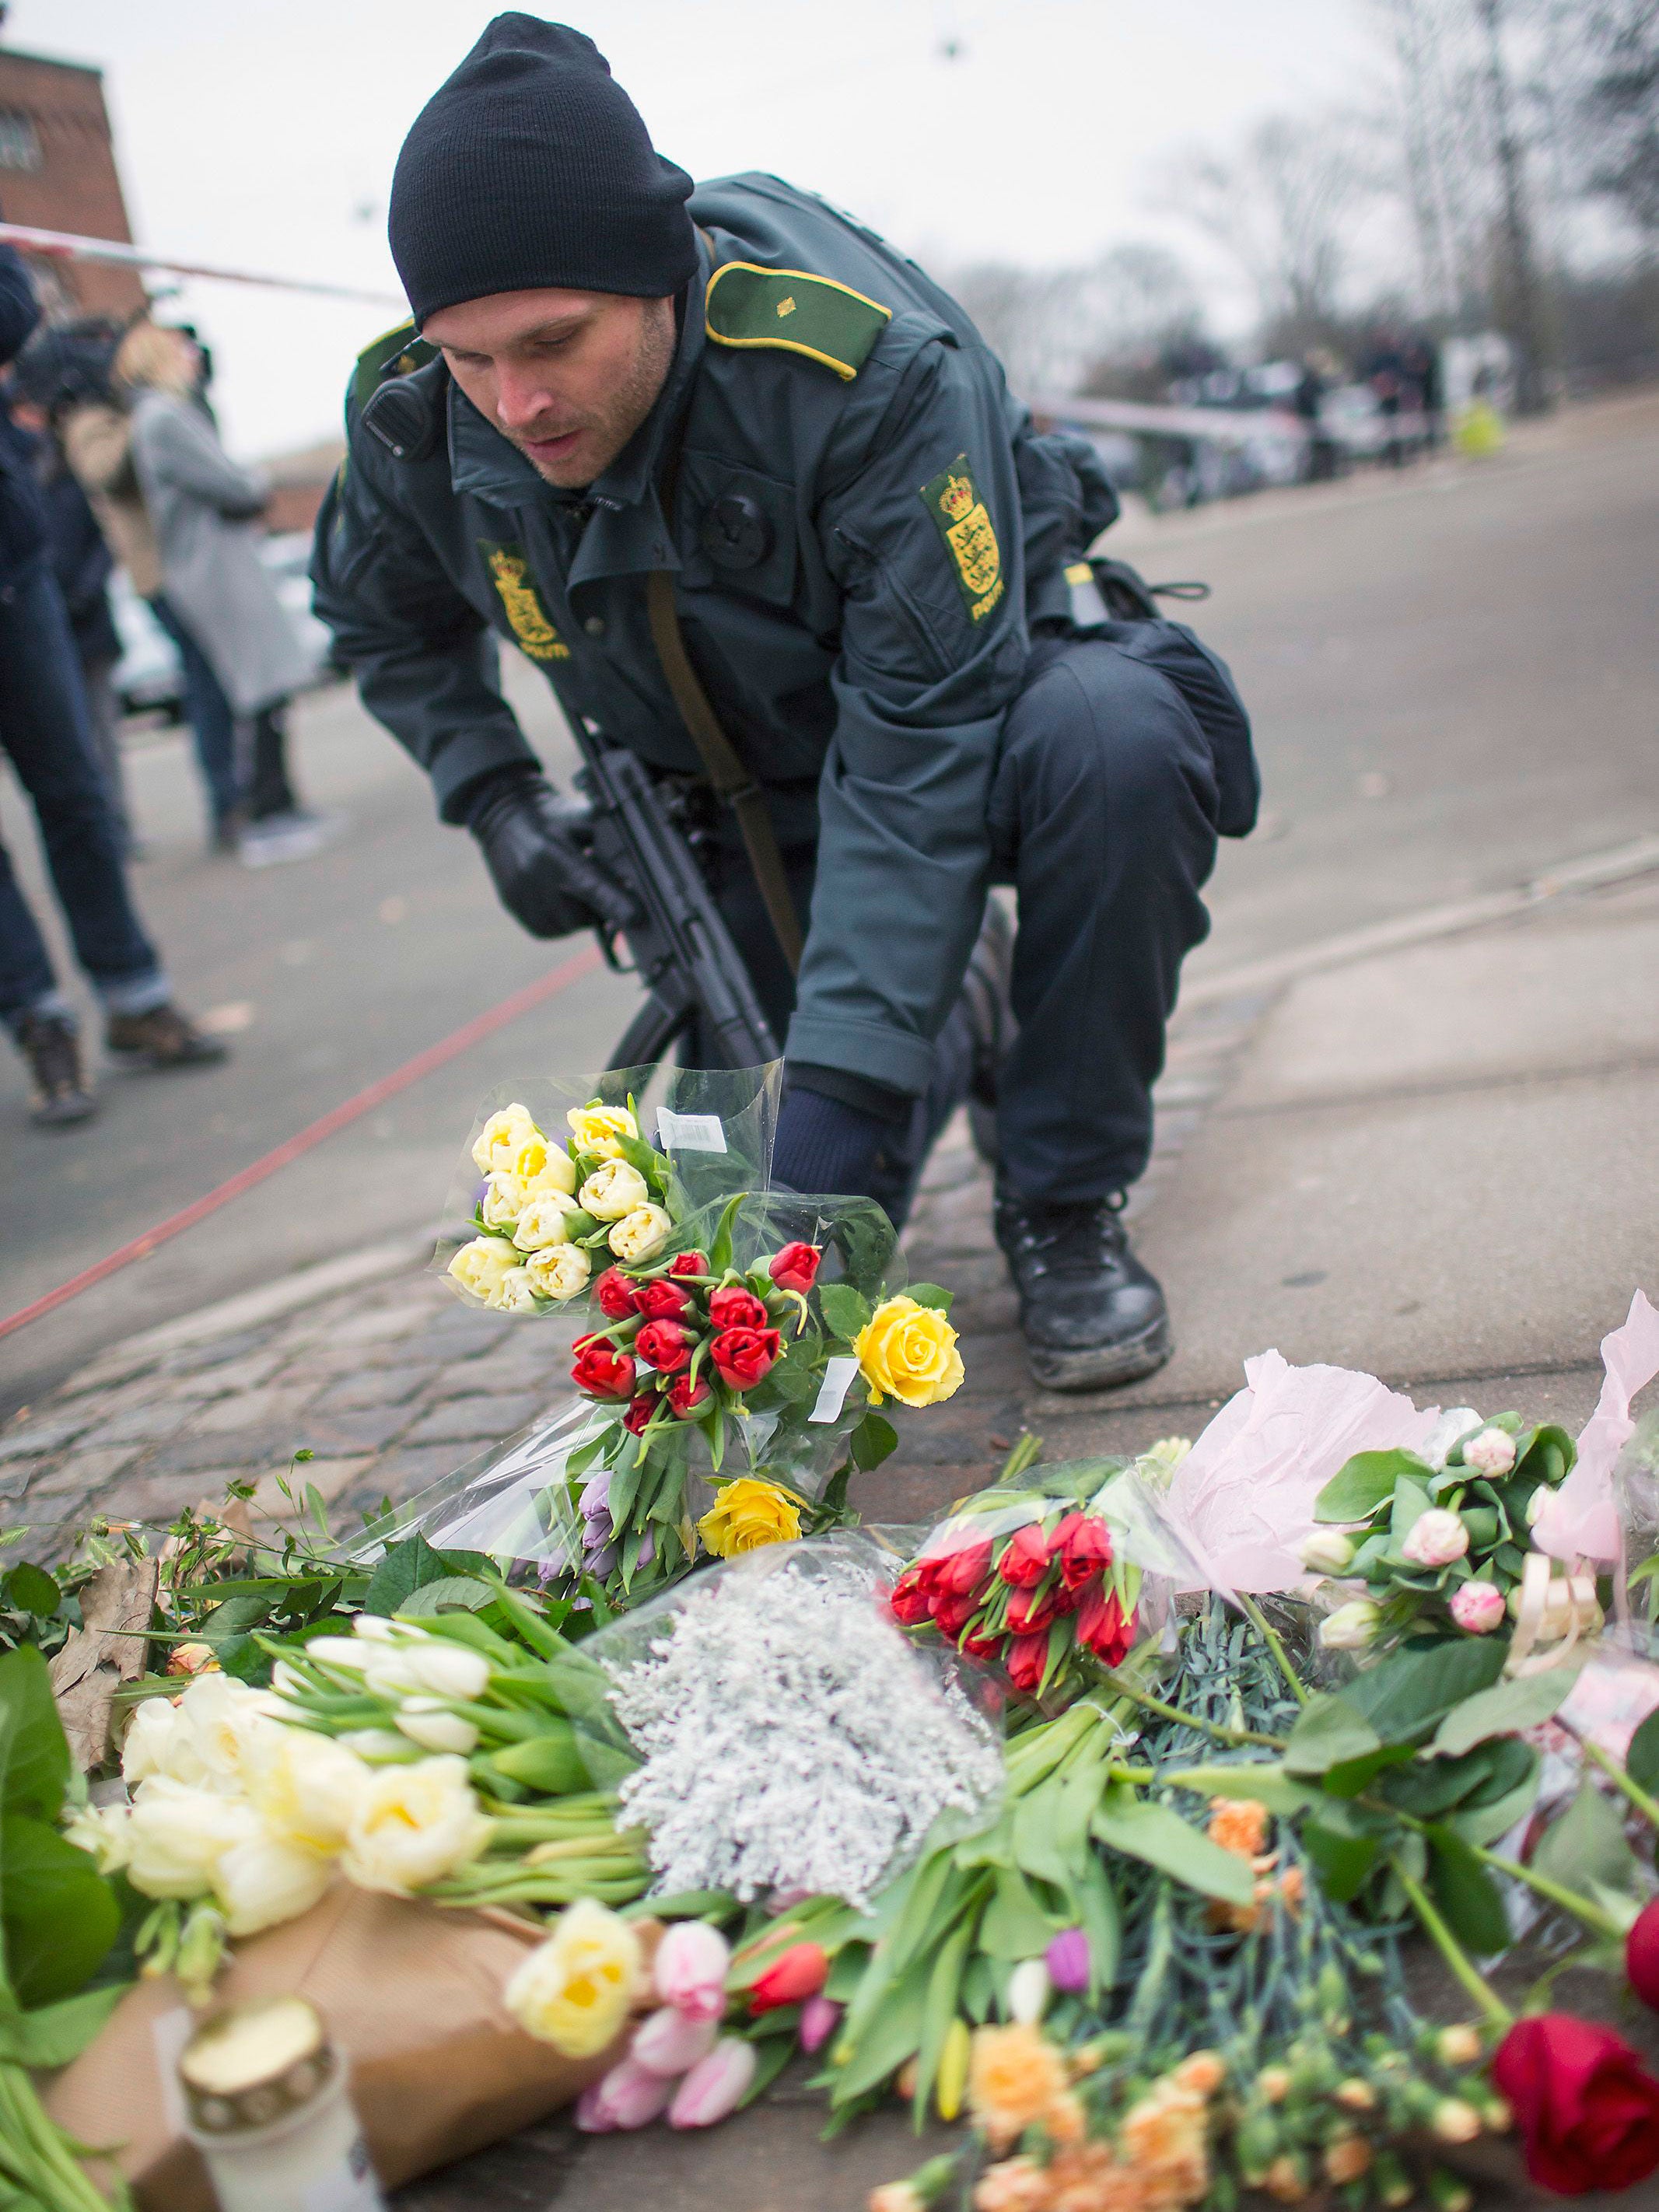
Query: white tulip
[
  {"x": 448, "y": 1670},
  {"x": 600, "y": 1129},
  {"x": 514, "y": 1294},
  {"x": 1327, "y": 1552},
  {"x": 640, "y": 1235},
  {"x": 305, "y": 1788},
  {"x": 337, "y": 1651},
  {"x": 225, "y": 1718},
  {"x": 413, "y": 1826},
  {"x": 502, "y": 1139},
  {"x": 1492, "y": 1452},
  {"x": 1028, "y": 1990},
  {"x": 559, "y": 1271},
  {"x": 101, "y": 1830},
  {"x": 503, "y": 1200},
  {"x": 430, "y": 1722},
  {"x": 263, "y": 1881},
  {"x": 177, "y": 1835},
  {"x": 613, "y": 1190},
  {"x": 159, "y": 1741},
  {"x": 375, "y": 1744},
  {"x": 479, "y": 1267},
  {"x": 1352, "y": 1627},
  {"x": 543, "y": 1222},
  {"x": 375, "y": 1628},
  {"x": 557, "y": 1177}
]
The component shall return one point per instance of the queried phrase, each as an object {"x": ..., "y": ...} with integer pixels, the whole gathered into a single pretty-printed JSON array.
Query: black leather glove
[{"x": 544, "y": 877}]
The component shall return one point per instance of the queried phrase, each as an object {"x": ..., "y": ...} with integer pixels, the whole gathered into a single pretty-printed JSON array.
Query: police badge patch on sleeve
[
  {"x": 953, "y": 500},
  {"x": 509, "y": 571}
]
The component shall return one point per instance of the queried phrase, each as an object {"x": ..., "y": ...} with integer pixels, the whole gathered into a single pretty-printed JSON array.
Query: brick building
[{"x": 57, "y": 171}]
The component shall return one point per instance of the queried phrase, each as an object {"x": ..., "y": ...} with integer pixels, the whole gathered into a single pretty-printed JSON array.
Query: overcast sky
[{"x": 263, "y": 132}]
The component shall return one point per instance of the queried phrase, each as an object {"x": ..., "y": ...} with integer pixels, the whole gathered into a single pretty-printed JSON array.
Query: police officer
[{"x": 621, "y": 375}]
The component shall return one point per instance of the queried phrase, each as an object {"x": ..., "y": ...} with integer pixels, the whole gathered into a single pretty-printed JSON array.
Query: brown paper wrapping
[{"x": 412, "y": 1995}]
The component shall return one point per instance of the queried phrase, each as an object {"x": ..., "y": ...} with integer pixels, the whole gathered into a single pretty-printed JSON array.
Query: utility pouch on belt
[{"x": 1129, "y": 619}]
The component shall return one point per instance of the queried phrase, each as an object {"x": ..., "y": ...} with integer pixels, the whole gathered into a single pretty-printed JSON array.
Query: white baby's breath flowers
[
  {"x": 613, "y": 1190},
  {"x": 640, "y": 1235},
  {"x": 560, "y": 1271},
  {"x": 793, "y": 1738}
]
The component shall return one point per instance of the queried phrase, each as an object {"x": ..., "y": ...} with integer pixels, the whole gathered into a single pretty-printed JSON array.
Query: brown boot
[
  {"x": 161, "y": 1038},
  {"x": 53, "y": 1053}
]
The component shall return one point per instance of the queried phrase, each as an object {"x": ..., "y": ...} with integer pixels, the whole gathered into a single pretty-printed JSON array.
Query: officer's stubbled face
[{"x": 568, "y": 376}]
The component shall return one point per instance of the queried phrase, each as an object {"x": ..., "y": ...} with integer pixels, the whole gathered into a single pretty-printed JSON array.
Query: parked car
[{"x": 148, "y": 677}]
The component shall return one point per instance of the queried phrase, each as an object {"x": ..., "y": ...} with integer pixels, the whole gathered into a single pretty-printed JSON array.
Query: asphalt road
[{"x": 1454, "y": 677}]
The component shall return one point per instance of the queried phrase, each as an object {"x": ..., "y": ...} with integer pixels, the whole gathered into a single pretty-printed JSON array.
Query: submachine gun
[{"x": 643, "y": 831}]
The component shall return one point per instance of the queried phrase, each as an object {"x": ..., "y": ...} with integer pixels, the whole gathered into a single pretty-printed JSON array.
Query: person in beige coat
[{"x": 242, "y": 660}]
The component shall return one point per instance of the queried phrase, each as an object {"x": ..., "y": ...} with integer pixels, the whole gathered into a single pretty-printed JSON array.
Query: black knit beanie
[{"x": 530, "y": 168}]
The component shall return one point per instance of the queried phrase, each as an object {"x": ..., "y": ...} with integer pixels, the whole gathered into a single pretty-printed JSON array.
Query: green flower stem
[
  {"x": 1217, "y": 1729},
  {"x": 1603, "y": 1923},
  {"x": 1492, "y": 2005},
  {"x": 1646, "y": 1806},
  {"x": 1024, "y": 1453},
  {"x": 1271, "y": 1636},
  {"x": 35, "y": 2155}
]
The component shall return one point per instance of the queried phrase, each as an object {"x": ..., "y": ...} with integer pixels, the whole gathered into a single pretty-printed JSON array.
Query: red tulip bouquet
[{"x": 1035, "y": 1576}]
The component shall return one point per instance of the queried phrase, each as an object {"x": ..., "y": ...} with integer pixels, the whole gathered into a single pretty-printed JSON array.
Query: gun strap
[{"x": 722, "y": 763}]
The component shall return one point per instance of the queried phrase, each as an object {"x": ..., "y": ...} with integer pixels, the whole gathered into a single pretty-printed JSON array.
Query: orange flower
[
  {"x": 1015, "y": 2076},
  {"x": 1202, "y": 2072},
  {"x": 1015, "y": 2185},
  {"x": 1087, "y": 2177},
  {"x": 1239, "y": 1825},
  {"x": 1347, "y": 2159}
]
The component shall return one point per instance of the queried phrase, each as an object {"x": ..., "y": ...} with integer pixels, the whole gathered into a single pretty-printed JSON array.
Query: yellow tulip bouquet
[{"x": 740, "y": 1344}]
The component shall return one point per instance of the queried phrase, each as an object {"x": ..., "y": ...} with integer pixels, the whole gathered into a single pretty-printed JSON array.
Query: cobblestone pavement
[{"x": 393, "y": 1385}]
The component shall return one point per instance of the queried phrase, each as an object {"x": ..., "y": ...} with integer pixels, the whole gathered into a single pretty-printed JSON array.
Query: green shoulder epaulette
[
  {"x": 394, "y": 353},
  {"x": 794, "y": 311}
]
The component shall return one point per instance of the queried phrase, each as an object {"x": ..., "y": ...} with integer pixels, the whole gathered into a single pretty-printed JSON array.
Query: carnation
[{"x": 792, "y": 1738}]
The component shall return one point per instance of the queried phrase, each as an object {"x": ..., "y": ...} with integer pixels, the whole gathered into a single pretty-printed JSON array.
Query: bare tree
[
  {"x": 1618, "y": 106},
  {"x": 1282, "y": 205},
  {"x": 1049, "y": 326}
]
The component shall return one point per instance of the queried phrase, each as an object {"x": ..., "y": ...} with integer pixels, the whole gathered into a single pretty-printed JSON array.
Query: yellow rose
[
  {"x": 748, "y": 1515},
  {"x": 909, "y": 1353},
  {"x": 573, "y": 1990},
  {"x": 640, "y": 1235},
  {"x": 479, "y": 1267},
  {"x": 600, "y": 1129},
  {"x": 614, "y": 1190},
  {"x": 502, "y": 1137},
  {"x": 502, "y": 1201},
  {"x": 559, "y": 1270},
  {"x": 542, "y": 1223}
]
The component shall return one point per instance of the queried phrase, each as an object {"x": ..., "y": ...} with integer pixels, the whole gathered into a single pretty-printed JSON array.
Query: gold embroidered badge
[
  {"x": 509, "y": 571},
  {"x": 786, "y": 307},
  {"x": 964, "y": 523}
]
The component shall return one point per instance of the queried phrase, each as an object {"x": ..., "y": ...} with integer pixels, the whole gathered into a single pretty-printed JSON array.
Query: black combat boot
[
  {"x": 163, "y": 1038},
  {"x": 1093, "y": 1317},
  {"x": 53, "y": 1053}
]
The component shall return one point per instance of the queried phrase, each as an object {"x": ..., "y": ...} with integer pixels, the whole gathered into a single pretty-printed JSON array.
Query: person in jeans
[
  {"x": 240, "y": 655},
  {"x": 45, "y": 733}
]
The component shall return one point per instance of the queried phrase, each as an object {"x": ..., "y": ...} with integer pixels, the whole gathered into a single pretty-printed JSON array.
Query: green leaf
[
  {"x": 1466, "y": 1895},
  {"x": 1349, "y": 1777},
  {"x": 1505, "y": 1709},
  {"x": 31, "y": 1589},
  {"x": 1411, "y": 1502},
  {"x": 1641, "y": 1759},
  {"x": 1157, "y": 1834},
  {"x": 871, "y": 1441},
  {"x": 449, "y": 1593},
  {"x": 1587, "y": 1844},
  {"x": 930, "y": 1294},
  {"x": 846, "y": 1311},
  {"x": 1328, "y": 1731},
  {"x": 1265, "y": 1782},
  {"x": 549, "y": 1763},
  {"x": 1357, "y": 1488},
  {"x": 1410, "y": 1693},
  {"x": 404, "y": 1567},
  {"x": 1548, "y": 1456},
  {"x": 1343, "y": 1860},
  {"x": 55, "y": 2033},
  {"x": 34, "y": 1761},
  {"x": 1015, "y": 1926},
  {"x": 59, "y": 1914},
  {"x": 720, "y": 1252}
]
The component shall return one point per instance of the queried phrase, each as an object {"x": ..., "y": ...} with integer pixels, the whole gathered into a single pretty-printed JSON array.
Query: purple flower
[
  {"x": 647, "y": 1549},
  {"x": 595, "y": 1495},
  {"x": 820, "y": 2016},
  {"x": 1068, "y": 1962},
  {"x": 600, "y": 1563}
]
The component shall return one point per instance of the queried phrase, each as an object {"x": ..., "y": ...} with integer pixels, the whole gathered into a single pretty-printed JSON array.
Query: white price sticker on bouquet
[
  {"x": 838, "y": 1375},
  {"x": 689, "y": 1133}
]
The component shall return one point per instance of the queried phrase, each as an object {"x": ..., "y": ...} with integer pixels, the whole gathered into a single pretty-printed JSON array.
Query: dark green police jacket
[{"x": 865, "y": 528}]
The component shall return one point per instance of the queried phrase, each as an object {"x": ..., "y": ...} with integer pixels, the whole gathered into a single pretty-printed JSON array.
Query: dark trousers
[
  {"x": 212, "y": 720},
  {"x": 1103, "y": 815},
  {"x": 44, "y": 731}
]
